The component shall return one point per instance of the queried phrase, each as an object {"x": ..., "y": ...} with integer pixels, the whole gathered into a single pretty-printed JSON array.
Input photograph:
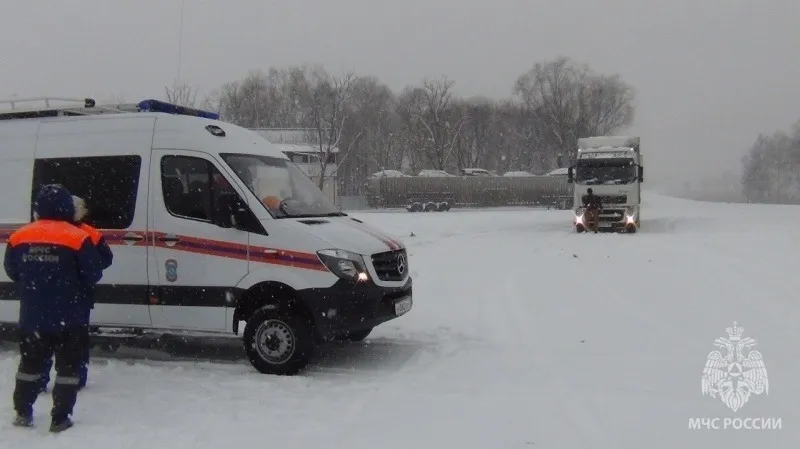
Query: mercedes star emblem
[{"x": 401, "y": 264}]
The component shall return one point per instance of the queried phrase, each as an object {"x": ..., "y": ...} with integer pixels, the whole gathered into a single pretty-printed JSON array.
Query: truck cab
[{"x": 612, "y": 166}]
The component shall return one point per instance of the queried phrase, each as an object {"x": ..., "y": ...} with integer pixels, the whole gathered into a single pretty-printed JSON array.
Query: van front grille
[{"x": 391, "y": 265}]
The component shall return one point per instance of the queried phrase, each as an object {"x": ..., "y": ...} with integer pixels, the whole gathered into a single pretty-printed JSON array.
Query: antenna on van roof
[{"x": 87, "y": 106}]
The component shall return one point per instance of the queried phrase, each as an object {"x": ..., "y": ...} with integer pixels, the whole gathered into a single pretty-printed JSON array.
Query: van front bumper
[{"x": 349, "y": 307}]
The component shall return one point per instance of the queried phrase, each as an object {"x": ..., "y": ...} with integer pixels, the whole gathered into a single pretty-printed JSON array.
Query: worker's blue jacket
[{"x": 54, "y": 264}]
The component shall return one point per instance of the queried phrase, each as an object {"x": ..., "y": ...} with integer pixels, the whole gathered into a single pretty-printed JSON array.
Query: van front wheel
[{"x": 278, "y": 343}]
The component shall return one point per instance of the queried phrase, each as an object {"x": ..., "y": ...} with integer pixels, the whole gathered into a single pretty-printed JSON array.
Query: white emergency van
[{"x": 210, "y": 225}]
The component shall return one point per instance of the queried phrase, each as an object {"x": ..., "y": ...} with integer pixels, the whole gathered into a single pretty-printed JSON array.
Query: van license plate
[
  {"x": 402, "y": 306},
  {"x": 605, "y": 225}
]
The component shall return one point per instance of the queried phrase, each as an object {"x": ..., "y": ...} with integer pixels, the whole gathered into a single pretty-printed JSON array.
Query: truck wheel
[
  {"x": 279, "y": 343},
  {"x": 358, "y": 335}
]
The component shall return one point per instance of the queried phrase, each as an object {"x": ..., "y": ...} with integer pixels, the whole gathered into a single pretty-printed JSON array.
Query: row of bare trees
[
  {"x": 771, "y": 169},
  {"x": 428, "y": 125}
]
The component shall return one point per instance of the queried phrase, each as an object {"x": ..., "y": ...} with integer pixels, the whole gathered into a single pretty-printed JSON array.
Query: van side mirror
[
  {"x": 570, "y": 179},
  {"x": 228, "y": 211},
  {"x": 641, "y": 174}
]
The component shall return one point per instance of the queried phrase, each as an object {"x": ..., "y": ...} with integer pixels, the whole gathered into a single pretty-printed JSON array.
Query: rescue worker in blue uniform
[
  {"x": 106, "y": 257},
  {"x": 53, "y": 264}
]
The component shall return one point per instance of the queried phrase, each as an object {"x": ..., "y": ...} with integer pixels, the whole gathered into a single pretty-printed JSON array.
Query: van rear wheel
[{"x": 279, "y": 343}]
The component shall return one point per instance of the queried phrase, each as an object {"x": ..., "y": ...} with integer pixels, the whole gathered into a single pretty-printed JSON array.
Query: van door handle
[
  {"x": 131, "y": 237},
  {"x": 169, "y": 238}
]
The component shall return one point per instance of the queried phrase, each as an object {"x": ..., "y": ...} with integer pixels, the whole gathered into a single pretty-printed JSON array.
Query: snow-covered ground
[{"x": 523, "y": 335}]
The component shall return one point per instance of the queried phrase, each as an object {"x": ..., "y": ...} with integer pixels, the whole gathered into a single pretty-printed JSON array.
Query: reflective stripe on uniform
[
  {"x": 25, "y": 377},
  {"x": 94, "y": 234},
  {"x": 49, "y": 232},
  {"x": 68, "y": 380}
]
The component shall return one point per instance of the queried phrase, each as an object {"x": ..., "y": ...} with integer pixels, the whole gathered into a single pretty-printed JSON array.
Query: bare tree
[
  {"x": 181, "y": 94},
  {"x": 427, "y": 126},
  {"x": 517, "y": 131},
  {"x": 606, "y": 105},
  {"x": 242, "y": 102},
  {"x": 440, "y": 119},
  {"x": 412, "y": 136},
  {"x": 772, "y": 168},
  {"x": 567, "y": 101},
  {"x": 479, "y": 136},
  {"x": 324, "y": 99},
  {"x": 375, "y": 117}
]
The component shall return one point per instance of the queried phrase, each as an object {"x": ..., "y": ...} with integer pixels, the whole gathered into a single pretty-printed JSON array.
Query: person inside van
[
  {"x": 272, "y": 202},
  {"x": 272, "y": 195},
  {"x": 176, "y": 195},
  {"x": 106, "y": 257},
  {"x": 198, "y": 198}
]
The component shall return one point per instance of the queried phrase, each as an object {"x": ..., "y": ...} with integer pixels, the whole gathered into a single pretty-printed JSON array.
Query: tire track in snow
[
  {"x": 637, "y": 306},
  {"x": 750, "y": 268},
  {"x": 482, "y": 295},
  {"x": 540, "y": 358},
  {"x": 475, "y": 363},
  {"x": 532, "y": 326},
  {"x": 736, "y": 281},
  {"x": 478, "y": 299}
]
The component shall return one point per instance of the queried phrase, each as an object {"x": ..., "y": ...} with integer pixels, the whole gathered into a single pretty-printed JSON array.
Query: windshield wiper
[
  {"x": 620, "y": 181},
  {"x": 330, "y": 214}
]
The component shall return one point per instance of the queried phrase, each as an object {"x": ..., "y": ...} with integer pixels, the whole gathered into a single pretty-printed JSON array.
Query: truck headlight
[
  {"x": 345, "y": 264},
  {"x": 630, "y": 215}
]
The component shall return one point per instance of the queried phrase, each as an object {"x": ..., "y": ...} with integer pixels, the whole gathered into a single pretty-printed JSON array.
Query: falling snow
[{"x": 523, "y": 334}]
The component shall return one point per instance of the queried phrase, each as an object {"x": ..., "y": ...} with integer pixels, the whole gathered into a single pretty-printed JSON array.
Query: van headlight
[{"x": 345, "y": 264}]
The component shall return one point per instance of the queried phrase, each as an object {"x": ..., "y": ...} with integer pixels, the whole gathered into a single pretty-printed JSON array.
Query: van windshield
[{"x": 283, "y": 188}]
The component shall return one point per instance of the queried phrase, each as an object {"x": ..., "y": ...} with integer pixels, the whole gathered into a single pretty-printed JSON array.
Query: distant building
[{"x": 298, "y": 144}]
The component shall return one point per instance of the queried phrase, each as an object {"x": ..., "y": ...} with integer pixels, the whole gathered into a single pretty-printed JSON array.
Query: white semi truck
[{"x": 613, "y": 168}]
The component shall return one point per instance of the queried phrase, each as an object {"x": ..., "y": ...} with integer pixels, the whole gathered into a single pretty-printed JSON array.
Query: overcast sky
[{"x": 710, "y": 74}]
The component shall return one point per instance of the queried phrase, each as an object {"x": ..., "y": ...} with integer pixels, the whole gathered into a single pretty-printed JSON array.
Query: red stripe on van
[
  {"x": 209, "y": 247},
  {"x": 260, "y": 254},
  {"x": 393, "y": 245}
]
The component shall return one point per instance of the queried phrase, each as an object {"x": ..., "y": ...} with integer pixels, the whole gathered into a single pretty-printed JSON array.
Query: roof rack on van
[{"x": 88, "y": 106}]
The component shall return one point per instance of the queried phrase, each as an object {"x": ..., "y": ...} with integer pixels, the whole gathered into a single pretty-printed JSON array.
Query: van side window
[
  {"x": 192, "y": 186},
  {"x": 108, "y": 184},
  {"x": 188, "y": 186}
]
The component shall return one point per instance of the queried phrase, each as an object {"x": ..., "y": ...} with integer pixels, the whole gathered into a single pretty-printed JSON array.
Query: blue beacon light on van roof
[{"x": 169, "y": 108}]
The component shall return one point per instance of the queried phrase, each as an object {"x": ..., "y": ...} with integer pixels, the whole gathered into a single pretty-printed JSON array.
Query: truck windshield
[
  {"x": 605, "y": 171},
  {"x": 283, "y": 189}
]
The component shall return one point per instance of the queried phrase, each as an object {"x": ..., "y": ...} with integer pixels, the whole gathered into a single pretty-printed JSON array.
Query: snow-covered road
[{"x": 523, "y": 334}]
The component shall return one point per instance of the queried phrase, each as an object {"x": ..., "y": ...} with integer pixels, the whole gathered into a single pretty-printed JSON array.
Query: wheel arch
[{"x": 270, "y": 295}]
